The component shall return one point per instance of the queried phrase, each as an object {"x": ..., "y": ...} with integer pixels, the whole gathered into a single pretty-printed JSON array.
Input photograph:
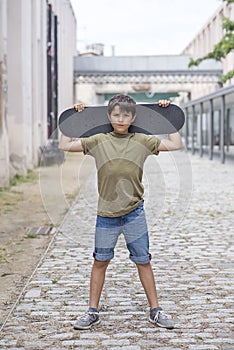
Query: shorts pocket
[{"x": 139, "y": 210}]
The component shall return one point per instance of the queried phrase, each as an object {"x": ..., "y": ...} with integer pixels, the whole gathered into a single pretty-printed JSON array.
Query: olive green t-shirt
[{"x": 119, "y": 160}]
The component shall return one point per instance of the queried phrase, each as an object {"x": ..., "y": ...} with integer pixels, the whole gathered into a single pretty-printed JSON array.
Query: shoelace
[
  {"x": 164, "y": 315},
  {"x": 87, "y": 315}
]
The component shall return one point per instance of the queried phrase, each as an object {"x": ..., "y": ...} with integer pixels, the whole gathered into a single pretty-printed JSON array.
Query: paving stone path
[{"x": 190, "y": 212}]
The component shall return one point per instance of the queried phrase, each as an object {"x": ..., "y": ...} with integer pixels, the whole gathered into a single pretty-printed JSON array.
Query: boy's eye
[{"x": 125, "y": 115}]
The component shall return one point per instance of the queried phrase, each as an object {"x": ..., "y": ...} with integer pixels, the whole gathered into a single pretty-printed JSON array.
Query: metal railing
[{"x": 209, "y": 127}]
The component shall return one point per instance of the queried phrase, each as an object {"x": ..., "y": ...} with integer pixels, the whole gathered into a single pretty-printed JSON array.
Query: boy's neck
[{"x": 114, "y": 133}]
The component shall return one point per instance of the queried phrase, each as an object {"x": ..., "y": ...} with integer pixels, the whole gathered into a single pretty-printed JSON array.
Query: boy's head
[{"x": 125, "y": 103}]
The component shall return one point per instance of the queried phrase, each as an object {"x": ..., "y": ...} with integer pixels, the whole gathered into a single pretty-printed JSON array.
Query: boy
[{"x": 119, "y": 158}]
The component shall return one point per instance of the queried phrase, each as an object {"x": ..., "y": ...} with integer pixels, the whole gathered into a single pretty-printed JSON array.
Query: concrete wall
[
  {"x": 26, "y": 81},
  {"x": 4, "y": 141},
  {"x": 67, "y": 52},
  {"x": 23, "y": 79}
]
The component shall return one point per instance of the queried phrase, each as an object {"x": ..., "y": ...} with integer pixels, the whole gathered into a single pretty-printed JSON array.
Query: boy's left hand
[
  {"x": 79, "y": 107},
  {"x": 163, "y": 103}
]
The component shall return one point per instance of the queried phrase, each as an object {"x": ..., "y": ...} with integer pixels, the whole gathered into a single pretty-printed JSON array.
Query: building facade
[
  {"x": 146, "y": 78},
  {"x": 4, "y": 140},
  {"x": 37, "y": 46},
  {"x": 210, "y": 34},
  {"x": 210, "y": 117}
]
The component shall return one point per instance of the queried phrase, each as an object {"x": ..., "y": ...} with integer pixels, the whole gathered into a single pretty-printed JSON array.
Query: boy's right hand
[
  {"x": 79, "y": 107},
  {"x": 163, "y": 103}
]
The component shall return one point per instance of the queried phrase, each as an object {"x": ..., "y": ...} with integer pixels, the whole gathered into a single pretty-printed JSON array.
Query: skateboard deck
[{"x": 151, "y": 119}]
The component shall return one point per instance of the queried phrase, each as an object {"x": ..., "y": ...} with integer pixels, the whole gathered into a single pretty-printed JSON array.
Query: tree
[{"x": 222, "y": 49}]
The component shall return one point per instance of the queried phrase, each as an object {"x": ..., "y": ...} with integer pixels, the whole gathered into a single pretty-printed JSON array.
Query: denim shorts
[{"x": 134, "y": 228}]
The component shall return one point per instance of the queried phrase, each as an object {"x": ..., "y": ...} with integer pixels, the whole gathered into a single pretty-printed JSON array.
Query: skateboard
[{"x": 151, "y": 119}]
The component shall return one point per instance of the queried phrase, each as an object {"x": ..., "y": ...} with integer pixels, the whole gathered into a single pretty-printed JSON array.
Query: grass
[
  {"x": 18, "y": 179},
  {"x": 9, "y": 197},
  {"x": 8, "y": 201},
  {"x": 31, "y": 235},
  {"x": 2, "y": 257}
]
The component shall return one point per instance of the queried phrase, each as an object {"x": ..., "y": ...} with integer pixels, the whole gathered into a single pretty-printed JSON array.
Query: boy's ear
[
  {"x": 133, "y": 118},
  {"x": 108, "y": 116}
]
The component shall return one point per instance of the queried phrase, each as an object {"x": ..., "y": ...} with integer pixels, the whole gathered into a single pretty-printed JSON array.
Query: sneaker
[
  {"x": 87, "y": 320},
  {"x": 160, "y": 318}
]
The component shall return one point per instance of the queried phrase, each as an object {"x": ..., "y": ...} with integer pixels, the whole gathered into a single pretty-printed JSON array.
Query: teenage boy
[{"x": 120, "y": 157}]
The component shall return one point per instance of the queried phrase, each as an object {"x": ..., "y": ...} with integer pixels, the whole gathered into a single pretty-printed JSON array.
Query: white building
[
  {"x": 146, "y": 78},
  {"x": 4, "y": 140},
  {"x": 31, "y": 50},
  {"x": 210, "y": 34}
]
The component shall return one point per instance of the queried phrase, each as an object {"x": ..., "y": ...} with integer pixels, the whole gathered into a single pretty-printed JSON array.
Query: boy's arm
[
  {"x": 173, "y": 142},
  {"x": 66, "y": 143}
]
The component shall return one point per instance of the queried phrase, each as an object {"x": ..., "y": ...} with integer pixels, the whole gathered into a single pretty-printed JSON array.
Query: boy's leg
[
  {"x": 97, "y": 281},
  {"x": 106, "y": 236},
  {"x": 137, "y": 239},
  {"x": 148, "y": 282},
  {"x": 157, "y": 316}
]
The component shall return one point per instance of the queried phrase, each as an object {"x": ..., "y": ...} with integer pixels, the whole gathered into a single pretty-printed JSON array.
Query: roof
[{"x": 144, "y": 64}]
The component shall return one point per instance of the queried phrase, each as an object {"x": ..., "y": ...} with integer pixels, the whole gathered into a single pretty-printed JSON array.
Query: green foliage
[
  {"x": 228, "y": 25},
  {"x": 17, "y": 179},
  {"x": 222, "y": 49},
  {"x": 31, "y": 235},
  {"x": 227, "y": 76}
]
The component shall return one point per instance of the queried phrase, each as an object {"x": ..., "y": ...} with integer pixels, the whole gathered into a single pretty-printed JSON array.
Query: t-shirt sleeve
[
  {"x": 88, "y": 143},
  {"x": 152, "y": 143}
]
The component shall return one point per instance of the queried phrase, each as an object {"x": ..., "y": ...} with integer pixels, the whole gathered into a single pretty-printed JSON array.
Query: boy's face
[{"x": 121, "y": 120}]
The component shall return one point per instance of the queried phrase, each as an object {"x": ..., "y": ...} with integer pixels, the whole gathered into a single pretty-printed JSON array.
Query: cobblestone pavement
[{"x": 192, "y": 260}]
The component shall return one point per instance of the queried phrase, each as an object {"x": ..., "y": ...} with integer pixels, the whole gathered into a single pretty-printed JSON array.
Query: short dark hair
[{"x": 125, "y": 102}]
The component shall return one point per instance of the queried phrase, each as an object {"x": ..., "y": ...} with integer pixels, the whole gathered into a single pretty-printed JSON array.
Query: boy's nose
[{"x": 121, "y": 118}]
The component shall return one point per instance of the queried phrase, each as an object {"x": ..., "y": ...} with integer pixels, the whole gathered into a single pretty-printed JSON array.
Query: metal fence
[{"x": 209, "y": 127}]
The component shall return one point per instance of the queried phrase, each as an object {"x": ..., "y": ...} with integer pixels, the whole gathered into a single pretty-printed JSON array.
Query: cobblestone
[{"x": 192, "y": 260}]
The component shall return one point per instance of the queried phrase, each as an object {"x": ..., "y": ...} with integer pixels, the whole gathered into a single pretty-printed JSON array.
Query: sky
[{"x": 141, "y": 27}]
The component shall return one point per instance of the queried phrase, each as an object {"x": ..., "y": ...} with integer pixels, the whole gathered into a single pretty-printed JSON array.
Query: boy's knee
[{"x": 100, "y": 264}]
